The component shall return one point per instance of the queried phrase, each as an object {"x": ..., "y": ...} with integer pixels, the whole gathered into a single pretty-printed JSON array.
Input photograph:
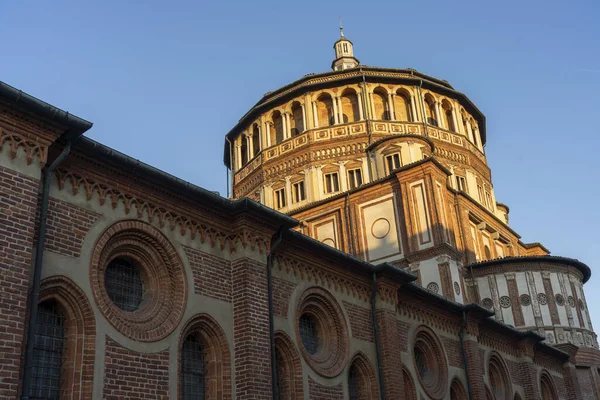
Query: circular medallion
[
  {"x": 571, "y": 301},
  {"x": 525, "y": 300},
  {"x": 505, "y": 302},
  {"x": 487, "y": 303},
  {"x": 456, "y": 288},
  {"x": 542, "y": 298},
  {"x": 380, "y": 228},
  {"x": 433, "y": 287},
  {"x": 560, "y": 300}
]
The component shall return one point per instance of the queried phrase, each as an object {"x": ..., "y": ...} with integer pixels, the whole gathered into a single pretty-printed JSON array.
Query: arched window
[
  {"x": 193, "y": 369},
  {"x": 63, "y": 359},
  {"x": 325, "y": 110},
  {"x": 362, "y": 383},
  {"x": 402, "y": 106},
  {"x": 430, "y": 111},
  {"x": 204, "y": 361},
  {"x": 409, "y": 386},
  {"x": 547, "y": 388},
  {"x": 448, "y": 116},
  {"x": 350, "y": 109},
  {"x": 289, "y": 368},
  {"x": 380, "y": 105},
  {"x": 277, "y": 128},
  {"x": 244, "y": 150},
  {"x": 255, "y": 139},
  {"x": 297, "y": 121},
  {"x": 457, "y": 390},
  {"x": 475, "y": 134},
  {"x": 499, "y": 378},
  {"x": 48, "y": 350}
]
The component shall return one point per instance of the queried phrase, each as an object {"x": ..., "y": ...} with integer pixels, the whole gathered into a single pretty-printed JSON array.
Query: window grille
[
  {"x": 353, "y": 383},
  {"x": 393, "y": 162},
  {"x": 354, "y": 178},
  {"x": 123, "y": 283},
  {"x": 193, "y": 369},
  {"x": 421, "y": 363},
  {"x": 332, "y": 183},
  {"x": 298, "y": 192},
  {"x": 48, "y": 350},
  {"x": 309, "y": 334}
]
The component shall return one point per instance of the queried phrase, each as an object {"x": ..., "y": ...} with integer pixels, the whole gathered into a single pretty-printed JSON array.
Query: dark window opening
[
  {"x": 123, "y": 283},
  {"x": 309, "y": 333},
  {"x": 193, "y": 369},
  {"x": 48, "y": 350}
]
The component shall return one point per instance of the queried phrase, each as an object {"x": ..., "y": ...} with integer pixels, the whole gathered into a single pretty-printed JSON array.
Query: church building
[{"x": 362, "y": 254}]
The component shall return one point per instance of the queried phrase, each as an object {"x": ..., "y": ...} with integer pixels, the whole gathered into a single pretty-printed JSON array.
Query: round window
[
  {"x": 322, "y": 331},
  {"x": 123, "y": 284},
  {"x": 430, "y": 363},
  {"x": 309, "y": 332}
]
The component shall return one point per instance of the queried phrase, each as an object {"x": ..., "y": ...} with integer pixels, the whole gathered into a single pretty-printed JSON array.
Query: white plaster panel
[
  {"x": 455, "y": 276},
  {"x": 570, "y": 293},
  {"x": 430, "y": 273},
  {"x": 325, "y": 231},
  {"x": 528, "y": 316},
  {"x": 379, "y": 231},
  {"x": 539, "y": 285},
  {"x": 562, "y": 311},
  {"x": 484, "y": 287},
  {"x": 420, "y": 209},
  {"x": 507, "y": 314},
  {"x": 584, "y": 314}
]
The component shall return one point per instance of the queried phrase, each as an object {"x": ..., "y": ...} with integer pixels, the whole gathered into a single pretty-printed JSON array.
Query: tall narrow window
[
  {"x": 393, "y": 161},
  {"x": 48, "y": 350},
  {"x": 480, "y": 193},
  {"x": 332, "y": 183},
  {"x": 279, "y": 198},
  {"x": 298, "y": 192},
  {"x": 193, "y": 369},
  {"x": 354, "y": 178},
  {"x": 488, "y": 200},
  {"x": 461, "y": 183},
  {"x": 353, "y": 383}
]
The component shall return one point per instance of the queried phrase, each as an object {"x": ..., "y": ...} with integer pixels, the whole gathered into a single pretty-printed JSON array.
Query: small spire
[{"x": 341, "y": 28}]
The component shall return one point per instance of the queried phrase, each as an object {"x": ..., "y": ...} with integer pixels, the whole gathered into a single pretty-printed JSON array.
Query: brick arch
[
  {"x": 410, "y": 391},
  {"x": 217, "y": 356},
  {"x": 367, "y": 379},
  {"x": 499, "y": 377},
  {"x": 547, "y": 387},
  {"x": 80, "y": 335},
  {"x": 165, "y": 282},
  {"x": 289, "y": 368},
  {"x": 457, "y": 390}
]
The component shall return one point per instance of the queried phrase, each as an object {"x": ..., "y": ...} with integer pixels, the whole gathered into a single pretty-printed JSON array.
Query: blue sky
[{"x": 164, "y": 81}]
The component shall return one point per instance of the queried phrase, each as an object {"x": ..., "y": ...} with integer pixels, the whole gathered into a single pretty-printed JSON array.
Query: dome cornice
[{"x": 312, "y": 82}]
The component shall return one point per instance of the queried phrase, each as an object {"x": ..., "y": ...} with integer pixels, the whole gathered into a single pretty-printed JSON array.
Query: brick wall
[
  {"x": 67, "y": 226},
  {"x": 251, "y": 330},
  {"x": 18, "y": 204},
  {"x": 282, "y": 291},
  {"x": 317, "y": 391},
  {"x": 360, "y": 321},
  {"x": 392, "y": 341},
  {"x": 453, "y": 352},
  {"x": 132, "y": 375},
  {"x": 212, "y": 275}
]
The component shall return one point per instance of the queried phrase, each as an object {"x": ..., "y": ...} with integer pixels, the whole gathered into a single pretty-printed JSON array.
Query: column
[
  {"x": 438, "y": 115},
  {"x": 340, "y": 109},
  {"x": 267, "y": 134},
  {"x": 250, "y": 146},
  {"x": 361, "y": 116},
  {"x": 343, "y": 177},
  {"x": 238, "y": 156},
  {"x": 286, "y": 126},
  {"x": 469, "y": 131},
  {"x": 304, "y": 127},
  {"x": 315, "y": 114},
  {"x": 415, "y": 114},
  {"x": 392, "y": 115},
  {"x": 288, "y": 191},
  {"x": 455, "y": 120},
  {"x": 372, "y": 105},
  {"x": 335, "y": 111},
  {"x": 260, "y": 137}
]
